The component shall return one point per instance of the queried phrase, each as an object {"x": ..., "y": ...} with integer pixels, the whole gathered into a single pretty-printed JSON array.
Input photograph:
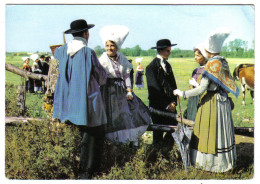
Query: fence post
[{"x": 21, "y": 96}]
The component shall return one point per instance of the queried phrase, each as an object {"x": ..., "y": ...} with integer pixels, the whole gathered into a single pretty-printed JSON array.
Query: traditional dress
[
  {"x": 127, "y": 119},
  {"x": 213, "y": 141},
  {"x": 36, "y": 68},
  {"x": 29, "y": 82},
  {"x": 77, "y": 97},
  {"x": 191, "y": 111},
  {"x": 139, "y": 81}
]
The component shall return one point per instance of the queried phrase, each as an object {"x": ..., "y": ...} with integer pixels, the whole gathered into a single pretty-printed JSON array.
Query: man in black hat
[
  {"x": 42, "y": 57},
  {"x": 161, "y": 83},
  {"x": 77, "y": 97}
]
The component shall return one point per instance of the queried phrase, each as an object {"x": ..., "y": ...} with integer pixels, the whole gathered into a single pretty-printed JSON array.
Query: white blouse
[{"x": 205, "y": 84}]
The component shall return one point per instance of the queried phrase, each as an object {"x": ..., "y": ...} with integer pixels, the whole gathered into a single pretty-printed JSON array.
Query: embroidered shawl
[
  {"x": 125, "y": 66},
  {"x": 217, "y": 70}
]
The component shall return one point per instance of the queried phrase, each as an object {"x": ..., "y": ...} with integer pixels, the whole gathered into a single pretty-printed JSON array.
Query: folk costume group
[
  {"x": 96, "y": 95},
  {"x": 40, "y": 66}
]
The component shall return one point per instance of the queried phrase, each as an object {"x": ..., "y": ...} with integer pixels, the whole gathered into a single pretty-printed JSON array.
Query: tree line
[{"x": 233, "y": 49}]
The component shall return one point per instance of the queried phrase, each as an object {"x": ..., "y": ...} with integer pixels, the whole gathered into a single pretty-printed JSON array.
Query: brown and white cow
[{"x": 245, "y": 73}]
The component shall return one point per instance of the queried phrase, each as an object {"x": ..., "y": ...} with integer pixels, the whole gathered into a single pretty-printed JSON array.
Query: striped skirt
[{"x": 225, "y": 157}]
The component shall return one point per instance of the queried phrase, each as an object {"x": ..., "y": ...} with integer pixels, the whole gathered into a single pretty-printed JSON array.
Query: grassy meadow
[{"x": 120, "y": 162}]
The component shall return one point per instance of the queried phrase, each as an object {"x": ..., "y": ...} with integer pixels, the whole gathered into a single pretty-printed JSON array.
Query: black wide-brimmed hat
[
  {"x": 163, "y": 44},
  {"x": 78, "y": 26}
]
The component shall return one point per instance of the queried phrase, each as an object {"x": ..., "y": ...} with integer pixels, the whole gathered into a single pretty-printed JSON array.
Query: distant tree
[
  {"x": 144, "y": 53},
  {"x": 126, "y": 51},
  {"x": 235, "y": 48},
  {"x": 98, "y": 50},
  {"x": 136, "y": 50},
  {"x": 151, "y": 52}
]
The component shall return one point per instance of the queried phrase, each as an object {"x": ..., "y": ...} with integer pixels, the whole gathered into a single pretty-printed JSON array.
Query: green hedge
[
  {"x": 40, "y": 150},
  {"x": 11, "y": 108}
]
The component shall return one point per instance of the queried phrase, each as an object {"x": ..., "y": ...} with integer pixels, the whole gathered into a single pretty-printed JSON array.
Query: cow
[{"x": 245, "y": 73}]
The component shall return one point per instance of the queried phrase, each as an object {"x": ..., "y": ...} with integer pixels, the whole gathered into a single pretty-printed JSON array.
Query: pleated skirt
[
  {"x": 225, "y": 157},
  {"x": 127, "y": 119}
]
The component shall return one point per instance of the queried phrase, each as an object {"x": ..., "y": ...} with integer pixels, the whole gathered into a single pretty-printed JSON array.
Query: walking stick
[
  {"x": 178, "y": 99},
  {"x": 64, "y": 39}
]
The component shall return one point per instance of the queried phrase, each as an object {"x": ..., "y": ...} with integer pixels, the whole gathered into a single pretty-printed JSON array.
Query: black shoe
[{"x": 85, "y": 175}]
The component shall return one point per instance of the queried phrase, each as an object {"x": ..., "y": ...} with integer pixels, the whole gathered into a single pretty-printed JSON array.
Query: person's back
[
  {"x": 77, "y": 97},
  {"x": 45, "y": 67}
]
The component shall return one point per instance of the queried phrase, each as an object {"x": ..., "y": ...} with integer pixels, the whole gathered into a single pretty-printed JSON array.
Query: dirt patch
[{"x": 245, "y": 151}]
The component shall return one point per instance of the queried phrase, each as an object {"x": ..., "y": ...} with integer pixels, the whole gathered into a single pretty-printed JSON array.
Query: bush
[
  {"x": 11, "y": 108},
  {"x": 40, "y": 150}
]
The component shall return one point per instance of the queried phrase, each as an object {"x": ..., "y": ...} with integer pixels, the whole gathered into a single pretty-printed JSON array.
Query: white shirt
[{"x": 161, "y": 62}]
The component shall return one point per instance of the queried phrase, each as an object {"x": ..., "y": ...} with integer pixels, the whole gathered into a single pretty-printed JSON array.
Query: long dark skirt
[
  {"x": 139, "y": 78},
  {"x": 127, "y": 119}
]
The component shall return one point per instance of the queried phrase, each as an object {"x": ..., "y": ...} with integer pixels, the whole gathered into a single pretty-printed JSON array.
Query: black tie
[{"x": 164, "y": 61}]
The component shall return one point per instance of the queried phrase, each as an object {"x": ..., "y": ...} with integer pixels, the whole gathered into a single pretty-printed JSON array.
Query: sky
[{"x": 32, "y": 28}]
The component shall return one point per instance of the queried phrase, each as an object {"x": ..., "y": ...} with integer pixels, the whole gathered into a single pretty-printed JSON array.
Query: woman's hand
[
  {"x": 178, "y": 92},
  {"x": 129, "y": 94}
]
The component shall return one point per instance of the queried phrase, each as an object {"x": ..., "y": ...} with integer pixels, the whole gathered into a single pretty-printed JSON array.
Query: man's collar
[
  {"x": 75, "y": 45},
  {"x": 81, "y": 39},
  {"x": 160, "y": 57}
]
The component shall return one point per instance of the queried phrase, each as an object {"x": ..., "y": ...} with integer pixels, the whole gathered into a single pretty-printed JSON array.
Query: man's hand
[
  {"x": 172, "y": 107},
  {"x": 178, "y": 92}
]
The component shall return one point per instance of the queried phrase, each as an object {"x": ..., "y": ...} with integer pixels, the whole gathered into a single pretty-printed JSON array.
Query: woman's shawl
[
  {"x": 217, "y": 70},
  {"x": 70, "y": 97},
  {"x": 125, "y": 66}
]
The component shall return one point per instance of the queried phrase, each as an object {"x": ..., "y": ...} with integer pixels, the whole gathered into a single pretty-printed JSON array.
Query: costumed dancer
[
  {"x": 77, "y": 97},
  {"x": 128, "y": 117},
  {"x": 29, "y": 81},
  {"x": 139, "y": 81},
  {"x": 201, "y": 58},
  {"x": 36, "y": 68},
  {"x": 161, "y": 83},
  {"x": 213, "y": 142}
]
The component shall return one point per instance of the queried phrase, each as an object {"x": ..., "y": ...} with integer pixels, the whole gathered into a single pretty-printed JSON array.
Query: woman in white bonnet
[
  {"x": 36, "y": 68},
  {"x": 128, "y": 117},
  {"x": 213, "y": 142},
  {"x": 201, "y": 58},
  {"x": 139, "y": 79}
]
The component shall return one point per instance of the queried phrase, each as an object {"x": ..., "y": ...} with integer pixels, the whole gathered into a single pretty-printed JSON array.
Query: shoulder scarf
[
  {"x": 125, "y": 66},
  {"x": 217, "y": 70}
]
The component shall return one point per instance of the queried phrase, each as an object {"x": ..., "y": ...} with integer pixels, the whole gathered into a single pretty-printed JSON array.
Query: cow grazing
[{"x": 245, "y": 73}]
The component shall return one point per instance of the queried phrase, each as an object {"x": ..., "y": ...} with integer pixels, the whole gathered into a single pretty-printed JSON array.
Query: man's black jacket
[{"x": 160, "y": 85}]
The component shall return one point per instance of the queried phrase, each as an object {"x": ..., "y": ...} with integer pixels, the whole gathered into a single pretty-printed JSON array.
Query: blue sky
[{"x": 33, "y": 28}]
